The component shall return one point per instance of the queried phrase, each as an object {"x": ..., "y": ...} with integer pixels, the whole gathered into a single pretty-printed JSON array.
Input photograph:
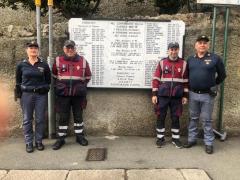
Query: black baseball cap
[
  {"x": 32, "y": 44},
  {"x": 202, "y": 38},
  {"x": 173, "y": 45},
  {"x": 69, "y": 43}
]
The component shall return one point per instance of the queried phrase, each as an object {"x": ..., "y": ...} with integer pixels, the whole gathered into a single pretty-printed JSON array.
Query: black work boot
[
  {"x": 39, "y": 146},
  {"x": 58, "y": 144},
  {"x": 81, "y": 140},
  {"x": 209, "y": 149},
  {"x": 189, "y": 144},
  {"x": 177, "y": 143},
  {"x": 29, "y": 148},
  {"x": 160, "y": 142}
]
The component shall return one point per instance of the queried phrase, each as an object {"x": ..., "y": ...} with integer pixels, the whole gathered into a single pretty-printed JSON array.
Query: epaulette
[{"x": 40, "y": 59}]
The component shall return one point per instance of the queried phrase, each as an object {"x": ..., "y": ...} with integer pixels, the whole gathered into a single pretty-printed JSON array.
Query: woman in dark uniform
[{"x": 32, "y": 85}]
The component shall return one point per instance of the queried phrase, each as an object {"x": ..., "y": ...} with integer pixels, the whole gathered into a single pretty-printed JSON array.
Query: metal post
[
  {"x": 51, "y": 113},
  {"x": 214, "y": 28},
  {"x": 219, "y": 125},
  {"x": 38, "y": 15}
]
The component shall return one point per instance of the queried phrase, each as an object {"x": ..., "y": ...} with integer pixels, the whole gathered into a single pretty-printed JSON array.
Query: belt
[
  {"x": 200, "y": 91},
  {"x": 31, "y": 90}
]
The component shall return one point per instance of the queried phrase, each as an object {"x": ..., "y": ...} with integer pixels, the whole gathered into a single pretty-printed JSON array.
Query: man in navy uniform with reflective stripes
[
  {"x": 72, "y": 73},
  {"x": 206, "y": 70}
]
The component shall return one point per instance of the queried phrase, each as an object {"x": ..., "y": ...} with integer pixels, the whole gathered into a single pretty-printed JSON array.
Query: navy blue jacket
[
  {"x": 205, "y": 72},
  {"x": 33, "y": 76}
]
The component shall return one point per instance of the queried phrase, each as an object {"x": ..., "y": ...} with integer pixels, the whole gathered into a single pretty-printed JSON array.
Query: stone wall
[{"x": 117, "y": 111}]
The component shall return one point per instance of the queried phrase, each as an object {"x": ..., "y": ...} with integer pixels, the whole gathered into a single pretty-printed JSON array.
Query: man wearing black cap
[
  {"x": 32, "y": 85},
  {"x": 170, "y": 88},
  {"x": 206, "y": 70},
  {"x": 72, "y": 73}
]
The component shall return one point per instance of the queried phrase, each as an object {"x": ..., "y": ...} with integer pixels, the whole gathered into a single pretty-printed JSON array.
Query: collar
[
  {"x": 175, "y": 60},
  {"x": 207, "y": 54},
  {"x": 38, "y": 60},
  {"x": 75, "y": 58}
]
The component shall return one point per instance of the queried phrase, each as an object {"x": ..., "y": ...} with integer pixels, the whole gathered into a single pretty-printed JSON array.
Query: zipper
[
  {"x": 173, "y": 67},
  {"x": 70, "y": 83}
]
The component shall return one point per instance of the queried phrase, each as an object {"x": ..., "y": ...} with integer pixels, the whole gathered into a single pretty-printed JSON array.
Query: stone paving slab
[
  {"x": 2, "y": 173},
  {"x": 116, "y": 174},
  {"x": 36, "y": 175},
  {"x": 195, "y": 174},
  {"x": 155, "y": 174}
]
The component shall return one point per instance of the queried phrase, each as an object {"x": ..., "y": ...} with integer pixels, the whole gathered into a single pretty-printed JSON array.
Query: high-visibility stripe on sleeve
[
  {"x": 161, "y": 66},
  {"x": 184, "y": 67},
  {"x": 70, "y": 77},
  {"x": 174, "y": 79},
  {"x": 156, "y": 78}
]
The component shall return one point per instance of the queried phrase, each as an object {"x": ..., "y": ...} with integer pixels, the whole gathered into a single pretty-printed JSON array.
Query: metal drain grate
[{"x": 96, "y": 154}]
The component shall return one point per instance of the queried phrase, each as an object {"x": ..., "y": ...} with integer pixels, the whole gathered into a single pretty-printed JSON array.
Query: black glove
[{"x": 17, "y": 92}]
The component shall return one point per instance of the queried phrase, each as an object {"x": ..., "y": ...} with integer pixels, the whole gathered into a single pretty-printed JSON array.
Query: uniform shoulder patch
[{"x": 40, "y": 59}]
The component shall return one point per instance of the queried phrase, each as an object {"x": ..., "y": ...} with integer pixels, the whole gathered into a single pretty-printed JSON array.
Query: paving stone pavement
[
  {"x": 113, "y": 174},
  {"x": 128, "y": 158}
]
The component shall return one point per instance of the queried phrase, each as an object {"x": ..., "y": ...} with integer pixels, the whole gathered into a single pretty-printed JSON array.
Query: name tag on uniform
[
  {"x": 41, "y": 69},
  {"x": 207, "y": 61}
]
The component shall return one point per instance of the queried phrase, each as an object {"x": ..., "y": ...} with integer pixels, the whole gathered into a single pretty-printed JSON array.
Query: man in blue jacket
[{"x": 206, "y": 70}]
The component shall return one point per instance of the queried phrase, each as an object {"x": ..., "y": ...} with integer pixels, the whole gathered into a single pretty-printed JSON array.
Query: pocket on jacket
[
  {"x": 80, "y": 89},
  {"x": 178, "y": 91},
  {"x": 164, "y": 89},
  {"x": 61, "y": 89}
]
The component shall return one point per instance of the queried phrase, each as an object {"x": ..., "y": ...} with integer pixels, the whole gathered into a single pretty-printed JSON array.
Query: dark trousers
[
  {"x": 65, "y": 105},
  {"x": 31, "y": 102},
  {"x": 175, "y": 105}
]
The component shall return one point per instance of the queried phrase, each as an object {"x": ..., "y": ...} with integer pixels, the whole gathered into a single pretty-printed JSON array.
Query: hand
[
  {"x": 154, "y": 100},
  {"x": 184, "y": 100},
  {"x": 17, "y": 92}
]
